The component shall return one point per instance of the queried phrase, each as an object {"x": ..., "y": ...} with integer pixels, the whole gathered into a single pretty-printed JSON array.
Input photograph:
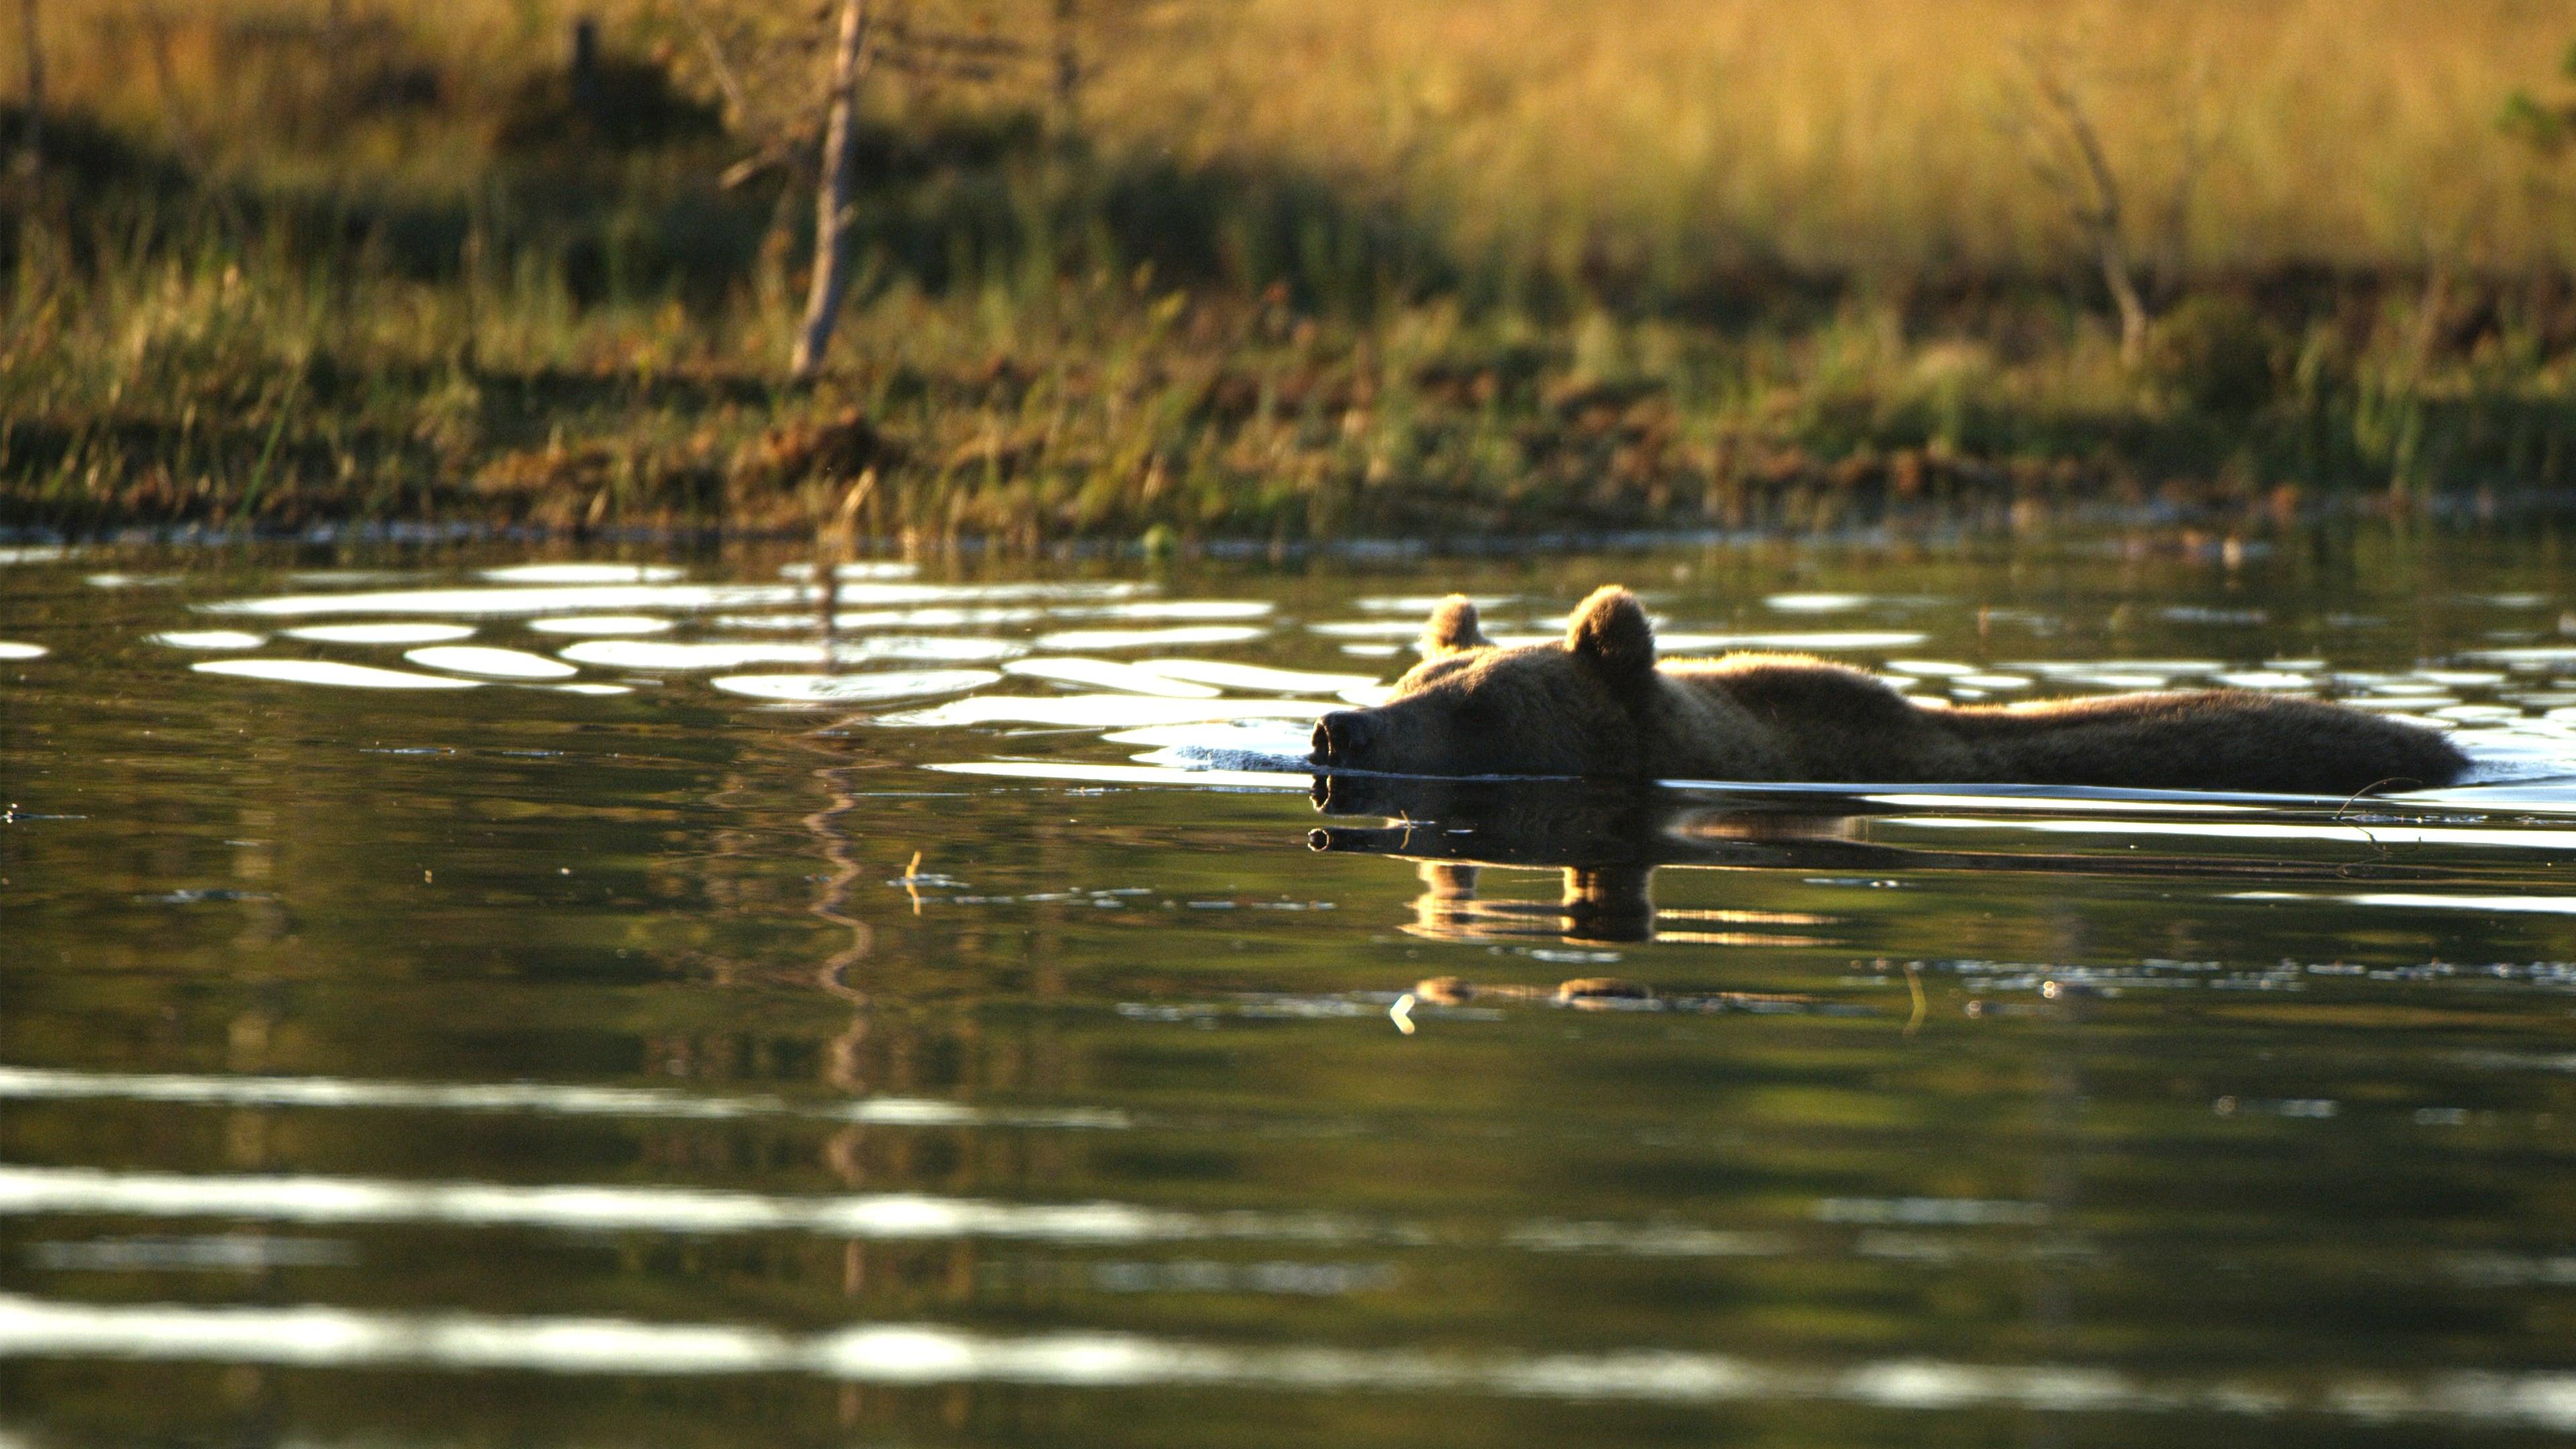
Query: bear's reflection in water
[{"x": 1607, "y": 840}]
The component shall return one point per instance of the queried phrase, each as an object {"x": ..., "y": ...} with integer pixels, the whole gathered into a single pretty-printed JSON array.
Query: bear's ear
[
  {"x": 1452, "y": 628},
  {"x": 1611, "y": 631}
]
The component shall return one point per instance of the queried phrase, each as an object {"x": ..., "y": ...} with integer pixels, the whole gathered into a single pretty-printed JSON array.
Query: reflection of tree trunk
[
  {"x": 841, "y": 1065},
  {"x": 842, "y": 1151},
  {"x": 832, "y": 194}
]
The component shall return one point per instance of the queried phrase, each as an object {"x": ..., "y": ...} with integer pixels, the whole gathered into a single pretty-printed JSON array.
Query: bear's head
[{"x": 1473, "y": 708}]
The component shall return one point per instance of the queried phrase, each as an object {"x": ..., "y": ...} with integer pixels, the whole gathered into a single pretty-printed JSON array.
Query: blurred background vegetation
[{"x": 1281, "y": 268}]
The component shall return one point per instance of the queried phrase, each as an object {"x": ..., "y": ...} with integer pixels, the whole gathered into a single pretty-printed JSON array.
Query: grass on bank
[{"x": 1283, "y": 308}]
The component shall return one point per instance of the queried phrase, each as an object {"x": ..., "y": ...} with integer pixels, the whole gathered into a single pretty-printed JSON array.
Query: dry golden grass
[
  {"x": 1883, "y": 133},
  {"x": 1659, "y": 136}
]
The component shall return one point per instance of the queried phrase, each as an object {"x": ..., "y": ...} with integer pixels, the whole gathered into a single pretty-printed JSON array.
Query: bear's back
[{"x": 1830, "y": 721}]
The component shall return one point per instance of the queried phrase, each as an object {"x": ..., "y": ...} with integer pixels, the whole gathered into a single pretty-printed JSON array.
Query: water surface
[{"x": 476, "y": 997}]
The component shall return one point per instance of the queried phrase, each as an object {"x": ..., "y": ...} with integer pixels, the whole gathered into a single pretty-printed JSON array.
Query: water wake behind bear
[{"x": 1602, "y": 704}]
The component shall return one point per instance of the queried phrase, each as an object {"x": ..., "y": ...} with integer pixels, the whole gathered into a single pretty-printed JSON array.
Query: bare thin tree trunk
[
  {"x": 2121, "y": 278},
  {"x": 33, "y": 158},
  {"x": 832, "y": 195}
]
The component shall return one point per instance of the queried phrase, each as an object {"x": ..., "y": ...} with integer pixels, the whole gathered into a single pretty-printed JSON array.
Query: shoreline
[{"x": 2214, "y": 527}]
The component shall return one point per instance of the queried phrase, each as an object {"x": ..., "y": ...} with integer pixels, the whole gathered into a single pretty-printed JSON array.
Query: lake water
[{"x": 464, "y": 997}]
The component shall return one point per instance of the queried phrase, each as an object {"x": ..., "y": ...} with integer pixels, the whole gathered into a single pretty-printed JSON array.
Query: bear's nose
[{"x": 1341, "y": 736}]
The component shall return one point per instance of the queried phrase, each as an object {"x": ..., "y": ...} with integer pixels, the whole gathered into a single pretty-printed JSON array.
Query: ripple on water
[
  {"x": 1255, "y": 678},
  {"x": 490, "y": 663},
  {"x": 941, "y": 617},
  {"x": 1419, "y": 605},
  {"x": 1106, "y": 674},
  {"x": 504, "y": 602},
  {"x": 387, "y": 633},
  {"x": 855, "y": 688},
  {"x": 544, "y": 1098},
  {"x": 1818, "y": 603},
  {"x": 2120, "y": 679},
  {"x": 663, "y": 656},
  {"x": 328, "y": 672},
  {"x": 583, "y": 573},
  {"x": 601, "y": 624},
  {"x": 862, "y": 571},
  {"x": 2169, "y": 668},
  {"x": 658, "y": 596},
  {"x": 12, "y": 650},
  {"x": 2372, "y": 836},
  {"x": 208, "y": 639},
  {"x": 1269, "y": 739},
  {"x": 2427, "y": 901},
  {"x": 313, "y": 1199},
  {"x": 659, "y": 655},
  {"x": 2536, "y": 657},
  {"x": 1366, "y": 628},
  {"x": 313, "y": 1337},
  {"x": 927, "y": 648},
  {"x": 1098, "y": 711},
  {"x": 1079, "y": 640},
  {"x": 1169, "y": 609}
]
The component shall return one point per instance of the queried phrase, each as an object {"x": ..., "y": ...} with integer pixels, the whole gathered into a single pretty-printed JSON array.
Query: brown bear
[{"x": 1601, "y": 704}]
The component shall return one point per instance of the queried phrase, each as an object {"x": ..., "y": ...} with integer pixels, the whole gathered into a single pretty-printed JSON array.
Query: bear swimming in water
[{"x": 1603, "y": 704}]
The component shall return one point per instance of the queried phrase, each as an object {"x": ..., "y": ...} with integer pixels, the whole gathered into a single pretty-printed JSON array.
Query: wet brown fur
[{"x": 1602, "y": 704}]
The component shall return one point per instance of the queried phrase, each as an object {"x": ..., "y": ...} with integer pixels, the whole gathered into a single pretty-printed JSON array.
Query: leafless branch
[
  {"x": 2092, "y": 198},
  {"x": 737, "y": 105}
]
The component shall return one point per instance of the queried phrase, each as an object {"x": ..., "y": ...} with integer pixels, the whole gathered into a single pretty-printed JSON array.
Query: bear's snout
[{"x": 1341, "y": 737}]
